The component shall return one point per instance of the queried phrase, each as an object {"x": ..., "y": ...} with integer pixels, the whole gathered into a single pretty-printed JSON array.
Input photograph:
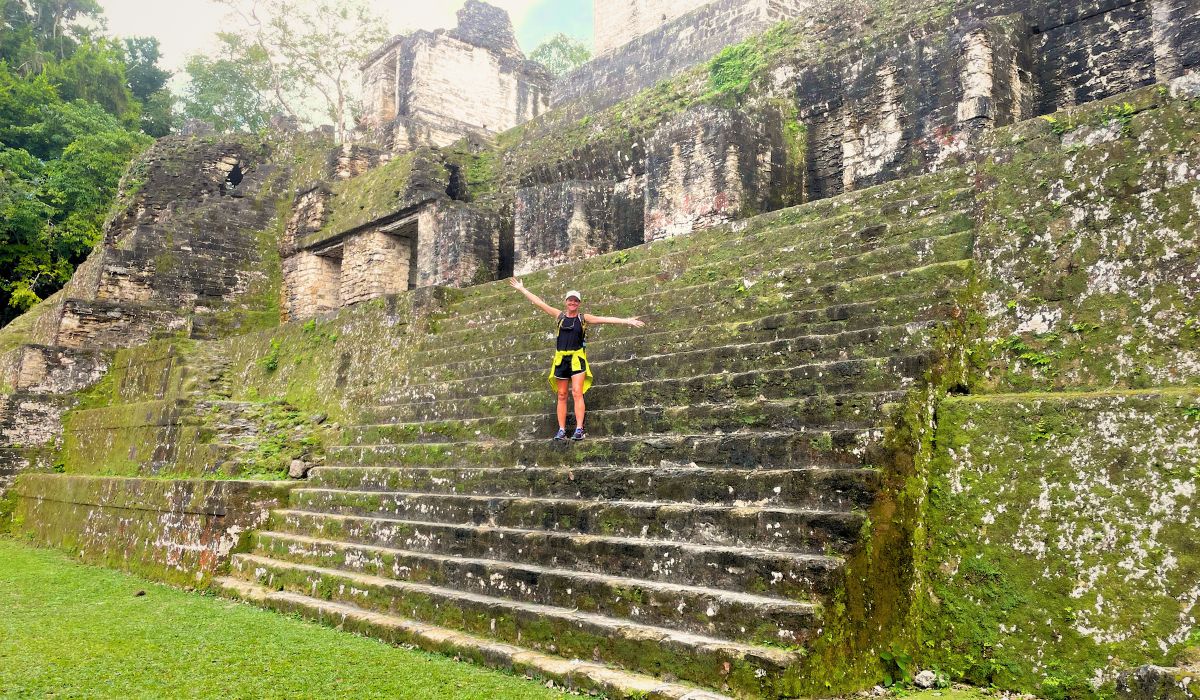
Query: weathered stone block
[
  {"x": 571, "y": 221},
  {"x": 106, "y": 325},
  {"x": 312, "y": 285},
  {"x": 1063, "y": 527},
  {"x": 458, "y": 245},
  {"x": 375, "y": 263},
  {"x": 712, "y": 165},
  {"x": 642, "y": 42},
  {"x": 49, "y": 369},
  {"x": 181, "y": 532},
  {"x": 432, "y": 88}
]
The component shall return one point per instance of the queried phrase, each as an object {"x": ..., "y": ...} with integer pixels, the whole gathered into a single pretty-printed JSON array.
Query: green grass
[{"x": 70, "y": 630}]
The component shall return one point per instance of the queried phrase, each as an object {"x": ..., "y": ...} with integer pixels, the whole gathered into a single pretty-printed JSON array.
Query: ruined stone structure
[
  {"x": 919, "y": 376},
  {"x": 433, "y": 88}
]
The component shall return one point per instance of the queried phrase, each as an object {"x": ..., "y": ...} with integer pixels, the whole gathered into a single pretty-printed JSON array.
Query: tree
[
  {"x": 311, "y": 52},
  {"x": 561, "y": 54},
  {"x": 148, "y": 83},
  {"x": 229, "y": 94},
  {"x": 71, "y": 102}
]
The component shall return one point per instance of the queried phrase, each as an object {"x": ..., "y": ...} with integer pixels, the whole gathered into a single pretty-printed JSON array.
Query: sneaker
[
  {"x": 561, "y": 434},
  {"x": 578, "y": 434}
]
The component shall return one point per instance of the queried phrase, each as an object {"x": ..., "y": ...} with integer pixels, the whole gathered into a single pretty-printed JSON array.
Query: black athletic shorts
[{"x": 563, "y": 369}]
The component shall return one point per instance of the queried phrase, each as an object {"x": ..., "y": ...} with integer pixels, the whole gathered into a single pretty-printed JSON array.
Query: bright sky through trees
[{"x": 189, "y": 26}]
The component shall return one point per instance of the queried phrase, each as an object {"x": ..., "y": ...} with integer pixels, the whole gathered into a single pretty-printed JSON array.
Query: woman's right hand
[{"x": 515, "y": 283}]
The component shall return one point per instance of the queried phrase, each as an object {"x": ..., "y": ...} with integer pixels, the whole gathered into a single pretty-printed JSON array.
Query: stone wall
[
  {"x": 621, "y": 21},
  {"x": 682, "y": 42},
  {"x": 51, "y": 369},
  {"x": 573, "y": 220},
  {"x": 1086, "y": 242},
  {"x": 458, "y": 245},
  {"x": 375, "y": 263},
  {"x": 180, "y": 532},
  {"x": 433, "y": 88},
  {"x": 712, "y": 165},
  {"x": 1062, "y": 538}
]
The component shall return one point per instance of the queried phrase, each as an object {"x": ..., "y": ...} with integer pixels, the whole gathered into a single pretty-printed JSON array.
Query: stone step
[
  {"x": 692, "y": 264},
  {"x": 742, "y": 449},
  {"x": 820, "y": 378},
  {"x": 642, "y": 648},
  {"x": 731, "y": 305},
  {"x": 651, "y": 296},
  {"x": 681, "y": 362},
  {"x": 829, "y": 411},
  {"x": 767, "y": 527},
  {"x": 790, "y": 575},
  {"x": 809, "y": 487},
  {"x": 881, "y": 205},
  {"x": 609, "y": 343},
  {"x": 740, "y": 617},
  {"x": 581, "y": 676}
]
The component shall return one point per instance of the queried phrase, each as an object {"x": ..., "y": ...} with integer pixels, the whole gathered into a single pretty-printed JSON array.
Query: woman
[{"x": 570, "y": 369}]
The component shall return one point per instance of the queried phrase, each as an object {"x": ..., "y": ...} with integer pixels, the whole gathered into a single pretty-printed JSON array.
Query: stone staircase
[{"x": 694, "y": 538}]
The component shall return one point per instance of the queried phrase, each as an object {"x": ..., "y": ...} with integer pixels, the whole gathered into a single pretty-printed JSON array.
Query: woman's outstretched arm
[
  {"x": 632, "y": 321},
  {"x": 515, "y": 283}
]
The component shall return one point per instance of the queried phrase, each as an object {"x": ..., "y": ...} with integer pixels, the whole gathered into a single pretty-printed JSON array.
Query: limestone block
[
  {"x": 711, "y": 165},
  {"x": 433, "y": 88},
  {"x": 353, "y": 159},
  {"x": 311, "y": 285},
  {"x": 458, "y": 245},
  {"x": 310, "y": 211},
  {"x": 573, "y": 220},
  {"x": 374, "y": 264},
  {"x": 107, "y": 325},
  {"x": 49, "y": 369},
  {"x": 178, "y": 531},
  {"x": 642, "y": 42},
  {"x": 620, "y": 21}
]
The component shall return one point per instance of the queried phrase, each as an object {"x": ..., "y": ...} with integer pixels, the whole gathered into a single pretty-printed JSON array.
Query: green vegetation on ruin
[
  {"x": 78, "y": 631},
  {"x": 400, "y": 183}
]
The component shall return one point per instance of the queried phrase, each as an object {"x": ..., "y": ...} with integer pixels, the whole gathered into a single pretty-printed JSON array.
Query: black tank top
[{"x": 570, "y": 332}]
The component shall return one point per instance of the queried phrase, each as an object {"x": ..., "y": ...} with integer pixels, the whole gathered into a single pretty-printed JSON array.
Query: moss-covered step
[
  {"x": 655, "y": 650},
  {"x": 791, "y": 575},
  {"x": 582, "y": 676},
  {"x": 829, "y": 411},
  {"x": 822, "y": 378},
  {"x": 731, "y": 615},
  {"x": 768, "y": 527},
  {"x": 808, "y": 487},
  {"x": 820, "y": 246},
  {"x": 685, "y": 361},
  {"x": 615, "y": 343},
  {"x": 733, "y": 302},
  {"x": 657, "y": 299},
  {"x": 742, "y": 449}
]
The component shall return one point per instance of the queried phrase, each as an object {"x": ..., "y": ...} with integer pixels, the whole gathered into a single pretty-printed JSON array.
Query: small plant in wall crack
[{"x": 270, "y": 361}]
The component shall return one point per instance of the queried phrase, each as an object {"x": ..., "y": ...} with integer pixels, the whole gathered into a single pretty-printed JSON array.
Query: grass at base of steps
[{"x": 72, "y": 630}]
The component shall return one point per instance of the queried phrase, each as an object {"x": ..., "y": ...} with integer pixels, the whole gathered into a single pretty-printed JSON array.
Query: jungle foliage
[{"x": 75, "y": 107}]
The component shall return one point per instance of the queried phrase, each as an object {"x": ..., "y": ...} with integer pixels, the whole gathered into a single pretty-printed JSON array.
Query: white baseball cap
[{"x": 575, "y": 294}]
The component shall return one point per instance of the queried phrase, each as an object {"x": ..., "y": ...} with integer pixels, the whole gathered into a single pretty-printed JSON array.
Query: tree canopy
[
  {"x": 561, "y": 54},
  {"x": 75, "y": 108},
  {"x": 298, "y": 59}
]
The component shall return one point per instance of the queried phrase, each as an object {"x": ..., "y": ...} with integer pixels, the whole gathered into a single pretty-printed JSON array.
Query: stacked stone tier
[{"x": 698, "y": 531}]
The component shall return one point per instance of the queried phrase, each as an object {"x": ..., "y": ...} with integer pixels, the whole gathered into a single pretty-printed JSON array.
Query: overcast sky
[{"x": 185, "y": 27}]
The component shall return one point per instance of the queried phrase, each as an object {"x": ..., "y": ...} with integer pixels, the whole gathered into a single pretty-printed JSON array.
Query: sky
[{"x": 185, "y": 27}]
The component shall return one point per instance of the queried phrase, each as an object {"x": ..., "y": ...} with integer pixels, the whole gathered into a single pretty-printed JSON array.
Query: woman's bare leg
[
  {"x": 562, "y": 404},
  {"x": 577, "y": 390}
]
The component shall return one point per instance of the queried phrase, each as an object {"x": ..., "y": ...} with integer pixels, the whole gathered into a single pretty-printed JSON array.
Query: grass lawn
[{"x": 69, "y": 630}]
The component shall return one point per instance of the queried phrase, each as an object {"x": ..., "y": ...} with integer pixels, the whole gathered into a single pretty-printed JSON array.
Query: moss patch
[{"x": 1061, "y": 535}]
